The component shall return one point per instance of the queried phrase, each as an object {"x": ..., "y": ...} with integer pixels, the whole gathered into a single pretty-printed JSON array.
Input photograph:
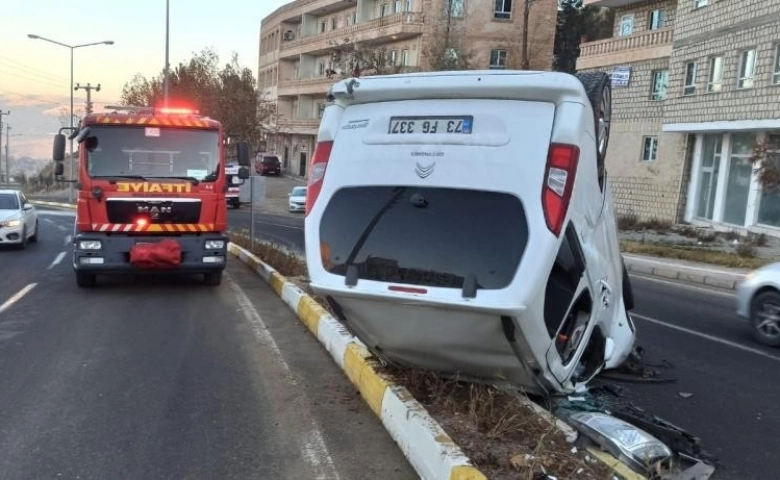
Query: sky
[{"x": 35, "y": 74}]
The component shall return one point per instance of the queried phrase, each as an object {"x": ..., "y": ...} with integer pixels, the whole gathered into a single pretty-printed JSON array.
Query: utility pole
[
  {"x": 7, "y": 158},
  {"x": 89, "y": 89},
  {"x": 7, "y": 178}
]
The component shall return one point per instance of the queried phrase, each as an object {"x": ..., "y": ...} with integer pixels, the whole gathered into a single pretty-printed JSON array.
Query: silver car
[{"x": 758, "y": 300}]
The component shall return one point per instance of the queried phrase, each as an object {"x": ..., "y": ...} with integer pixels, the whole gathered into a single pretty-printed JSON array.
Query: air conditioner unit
[{"x": 289, "y": 35}]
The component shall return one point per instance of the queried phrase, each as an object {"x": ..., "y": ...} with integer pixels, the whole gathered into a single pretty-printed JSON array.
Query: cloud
[{"x": 19, "y": 100}]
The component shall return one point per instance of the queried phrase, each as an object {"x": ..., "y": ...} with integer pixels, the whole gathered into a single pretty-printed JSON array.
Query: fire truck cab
[{"x": 151, "y": 193}]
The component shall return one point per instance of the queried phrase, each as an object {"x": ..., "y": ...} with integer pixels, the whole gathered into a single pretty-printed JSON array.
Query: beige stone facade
[
  {"x": 703, "y": 86},
  {"x": 307, "y": 45}
]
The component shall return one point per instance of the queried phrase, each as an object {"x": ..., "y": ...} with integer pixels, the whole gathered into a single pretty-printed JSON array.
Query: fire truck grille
[{"x": 154, "y": 211}]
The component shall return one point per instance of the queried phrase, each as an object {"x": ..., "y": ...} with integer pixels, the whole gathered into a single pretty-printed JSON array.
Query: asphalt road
[
  {"x": 733, "y": 380},
  {"x": 285, "y": 230},
  {"x": 169, "y": 379},
  {"x": 704, "y": 347}
]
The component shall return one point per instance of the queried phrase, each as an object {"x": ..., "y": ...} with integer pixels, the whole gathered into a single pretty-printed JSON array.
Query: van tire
[
  {"x": 628, "y": 290},
  {"x": 599, "y": 90}
]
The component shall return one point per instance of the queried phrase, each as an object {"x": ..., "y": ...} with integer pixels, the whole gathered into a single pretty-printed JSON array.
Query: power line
[
  {"x": 33, "y": 79},
  {"x": 28, "y": 69}
]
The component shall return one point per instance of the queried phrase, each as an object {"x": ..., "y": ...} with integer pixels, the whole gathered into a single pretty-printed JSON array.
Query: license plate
[{"x": 431, "y": 125}]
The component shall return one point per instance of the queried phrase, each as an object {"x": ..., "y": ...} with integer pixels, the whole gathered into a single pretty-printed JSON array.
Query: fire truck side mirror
[
  {"x": 242, "y": 154},
  {"x": 59, "y": 169},
  {"x": 243, "y": 173},
  {"x": 58, "y": 152}
]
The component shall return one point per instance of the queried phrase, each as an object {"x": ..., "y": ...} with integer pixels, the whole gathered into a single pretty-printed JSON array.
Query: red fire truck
[{"x": 151, "y": 193}]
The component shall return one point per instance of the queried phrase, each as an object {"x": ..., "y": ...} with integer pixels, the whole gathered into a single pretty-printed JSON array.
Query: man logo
[{"x": 424, "y": 172}]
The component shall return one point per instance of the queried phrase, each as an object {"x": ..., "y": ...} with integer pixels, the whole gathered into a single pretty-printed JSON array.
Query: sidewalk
[{"x": 684, "y": 271}]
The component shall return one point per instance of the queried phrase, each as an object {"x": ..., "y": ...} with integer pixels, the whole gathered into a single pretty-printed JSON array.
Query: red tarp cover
[{"x": 163, "y": 254}]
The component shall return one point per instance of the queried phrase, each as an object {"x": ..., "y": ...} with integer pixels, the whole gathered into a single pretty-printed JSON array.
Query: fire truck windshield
[{"x": 152, "y": 152}]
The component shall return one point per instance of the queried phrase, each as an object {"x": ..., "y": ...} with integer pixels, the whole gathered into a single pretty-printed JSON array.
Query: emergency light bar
[{"x": 136, "y": 110}]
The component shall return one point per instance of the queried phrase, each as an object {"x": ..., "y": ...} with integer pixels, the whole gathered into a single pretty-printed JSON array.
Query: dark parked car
[{"x": 268, "y": 165}]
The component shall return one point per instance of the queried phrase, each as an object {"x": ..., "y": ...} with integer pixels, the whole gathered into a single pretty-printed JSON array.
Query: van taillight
[
  {"x": 319, "y": 162},
  {"x": 558, "y": 184}
]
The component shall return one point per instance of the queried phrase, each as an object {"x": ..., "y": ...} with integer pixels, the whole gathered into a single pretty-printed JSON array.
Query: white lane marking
[
  {"x": 57, "y": 260},
  {"x": 313, "y": 449},
  {"x": 279, "y": 225},
  {"x": 48, "y": 220},
  {"x": 56, "y": 213},
  {"x": 713, "y": 338},
  {"x": 682, "y": 284},
  {"x": 16, "y": 297},
  {"x": 68, "y": 239}
]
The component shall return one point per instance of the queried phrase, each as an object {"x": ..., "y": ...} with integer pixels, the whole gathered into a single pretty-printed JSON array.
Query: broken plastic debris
[{"x": 686, "y": 395}]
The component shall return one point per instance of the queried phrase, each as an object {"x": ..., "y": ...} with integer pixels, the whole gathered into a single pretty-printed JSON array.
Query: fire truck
[{"x": 151, "y": 193}]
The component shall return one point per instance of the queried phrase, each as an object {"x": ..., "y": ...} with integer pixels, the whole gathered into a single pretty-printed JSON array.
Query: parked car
[
  {"x": 297, "y": 199},
  {"x": 268, "y": 165},
  {"x": 463, "y": 222},
  {"x": 758, "y": 300},
  {"x": 18, "y": 219}
]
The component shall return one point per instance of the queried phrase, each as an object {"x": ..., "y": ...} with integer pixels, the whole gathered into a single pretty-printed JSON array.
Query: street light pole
[
  {"x": 71, "y": 47},
  {"x": 167, "y": 65}
]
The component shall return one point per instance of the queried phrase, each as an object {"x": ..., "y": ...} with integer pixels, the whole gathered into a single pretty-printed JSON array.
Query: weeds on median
[
  {"x": 743, "y": 257},
  {"x": 286, "y": 263}
]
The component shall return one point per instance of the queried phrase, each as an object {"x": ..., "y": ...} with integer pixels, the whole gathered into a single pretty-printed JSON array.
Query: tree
[
  {"x": 575, "y": 22},
  {"x": 444, "y": 49},
  {"x": 229, "y": 95}
]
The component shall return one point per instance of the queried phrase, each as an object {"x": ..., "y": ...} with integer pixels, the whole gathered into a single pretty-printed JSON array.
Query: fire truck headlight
[
  {"x": 90, "y": 245},
  {"x": 215, "y": 244}
]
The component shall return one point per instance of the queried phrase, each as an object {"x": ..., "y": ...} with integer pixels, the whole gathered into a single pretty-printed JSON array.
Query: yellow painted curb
[
  {"x": 462, "y": 472},
  {"x": 309, "y": 311},
  {"x": 371, "y": 386}
]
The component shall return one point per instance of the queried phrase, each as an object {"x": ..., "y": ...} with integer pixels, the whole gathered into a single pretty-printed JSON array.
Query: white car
[
  {"x": 758, "y": 300},
  {"x": 463, "y": 222},
  {"x": 18, "y": 219},
  {"x": 297, "y": 199}
]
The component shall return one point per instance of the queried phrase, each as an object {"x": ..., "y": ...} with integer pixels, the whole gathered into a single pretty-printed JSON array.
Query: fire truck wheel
[
  {"x": 213, "y": 278},
  {"x": 85, "y": 280}
]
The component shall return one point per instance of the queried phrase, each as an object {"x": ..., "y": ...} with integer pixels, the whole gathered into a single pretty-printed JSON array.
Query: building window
[
  {"x": 404, "y": 57},
  {"x": 689, "y": 87},
  {"x": 455, "y": 8},
  {"x": 322, "y": 68},
  {"x": 451, "y": 58},
  {"x": 657, "y": 19},
  {"x": 626, "y": 25},
  {"x": 503, "y": 9},
  {"x": 740, "y": 171},
  {"x": 715, "y": 79},
  {"x": 397, "y": 6},
  {"x": 322, "y": 26},
  {"x": 320, "y": 109},
  {"x": 334, "y": 23},
  {"x": 354, "y": 18},
  {"x": 649, "y": 148},
  {"x": 769, "y": 206},
  {"x": 747, "y": 69},
  {"x": 708, "y": 180},
  {"x": 383, "y": 10},
  {"x": 408, "y": 7},
  {"x": 497, "y": 59},
  {"x": 393, "y": 57},
  {"x": 700, "y": 3},
  {"x": 660, "y": 83},
  {"x": 776, "y": 70}
]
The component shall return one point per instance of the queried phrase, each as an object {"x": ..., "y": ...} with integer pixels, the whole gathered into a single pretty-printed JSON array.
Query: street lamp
[{"x": 71, "y": 47}]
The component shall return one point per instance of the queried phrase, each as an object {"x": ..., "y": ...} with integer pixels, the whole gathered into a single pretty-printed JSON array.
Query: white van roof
[{"x": 540, "y": 86}]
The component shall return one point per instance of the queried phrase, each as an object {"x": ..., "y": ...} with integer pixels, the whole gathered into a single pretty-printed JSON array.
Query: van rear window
[{"x": 435, "y": 237}]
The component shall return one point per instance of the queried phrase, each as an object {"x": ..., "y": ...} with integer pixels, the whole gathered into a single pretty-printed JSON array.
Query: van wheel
[{"x": 598, "y": 87}]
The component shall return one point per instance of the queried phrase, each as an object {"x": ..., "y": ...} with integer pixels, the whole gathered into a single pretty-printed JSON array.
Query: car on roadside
[
  {"x": 268, "y": 165},
  {"x": 758, "y": 301},
  {"x": 18, "y": 219},
  {"x": 297, "y": 199},
  {"x": 463, "y": 222}
]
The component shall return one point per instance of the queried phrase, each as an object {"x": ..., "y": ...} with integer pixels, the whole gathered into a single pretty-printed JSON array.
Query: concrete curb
[
  {"x": 53, "y": 204},
  {"x": 430, "y": 451},
  {"x": 710, "y": 276}
]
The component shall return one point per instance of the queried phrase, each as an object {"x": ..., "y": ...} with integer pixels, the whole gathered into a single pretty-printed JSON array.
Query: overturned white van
[{"x": 462, "y": 222}]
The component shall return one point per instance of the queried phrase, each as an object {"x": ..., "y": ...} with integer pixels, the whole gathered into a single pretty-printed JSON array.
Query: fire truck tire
[
  {"x": 213, "y": 278},
  {"x": 85, "y": 280}
]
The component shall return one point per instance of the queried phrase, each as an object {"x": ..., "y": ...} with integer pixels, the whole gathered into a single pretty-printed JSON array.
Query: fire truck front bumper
[{"x": 110, "y": 254}]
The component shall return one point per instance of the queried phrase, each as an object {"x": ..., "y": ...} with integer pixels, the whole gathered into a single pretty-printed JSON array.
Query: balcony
[
  {"x": 631, "y": 48},
  {"x": 391, "y": 27},
  {"x": 305, "y": 86},
  {"x": 610, "y": 3}
]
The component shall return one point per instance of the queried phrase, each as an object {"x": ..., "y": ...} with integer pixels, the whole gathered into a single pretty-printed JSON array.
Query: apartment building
[
  {"x": 307, "y": 45},
  {"x": 696, "y": 85}
]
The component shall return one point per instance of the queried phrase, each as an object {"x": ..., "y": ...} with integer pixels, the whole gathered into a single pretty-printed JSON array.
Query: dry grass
[
  {"x": 744, "y": 258},
  {"x": 502, "y": 436},
  {"x": 286, "y": 263}
]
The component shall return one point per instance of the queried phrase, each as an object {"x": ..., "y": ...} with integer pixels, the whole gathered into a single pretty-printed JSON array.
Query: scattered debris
[{"x": 686, "y": 394}]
